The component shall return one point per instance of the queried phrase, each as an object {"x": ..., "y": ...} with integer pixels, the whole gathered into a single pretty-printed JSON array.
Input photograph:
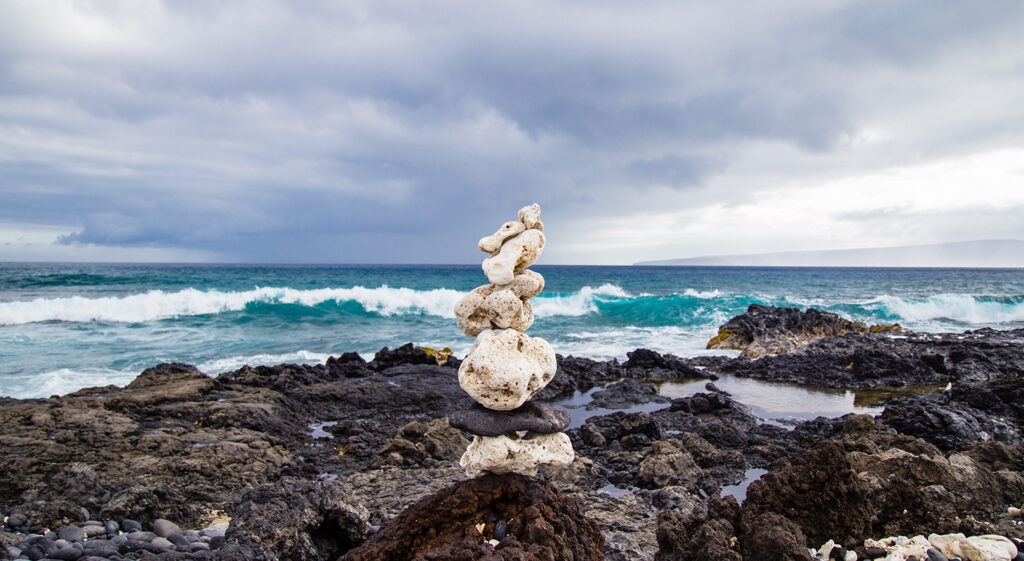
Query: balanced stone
[
  {"x": 505, "y": 368},
  {"x": 532, "y": 417},
  {"x": 502, "y": 454},
  {"x": 530, "y": 217},
  {"x": 499, "y": 307},
  {"x": 518, "y": 252},
  {"x": 492, "y": 243}
]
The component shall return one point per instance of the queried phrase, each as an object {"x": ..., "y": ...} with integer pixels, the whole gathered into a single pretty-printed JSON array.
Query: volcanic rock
[
  {"x": 296, "y": 519},
  {"x": 968, "y": 413},
  {"x": 624, "y": 394},
  {"x": 768, "y": 330},
  {"x": 531, "y": 416},
  {"x": 455, "y": 523}
]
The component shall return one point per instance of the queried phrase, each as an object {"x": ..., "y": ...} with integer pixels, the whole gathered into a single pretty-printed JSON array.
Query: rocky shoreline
[{"x": 310, "y": 461}]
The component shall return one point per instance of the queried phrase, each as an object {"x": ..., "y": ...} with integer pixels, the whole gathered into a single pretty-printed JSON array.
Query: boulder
[
  {"x": 527, "y": 520},
  {"x": 297, "y": 519},
  {"x": 505, "y": 368},
  {"x": 768, "y": 330}
]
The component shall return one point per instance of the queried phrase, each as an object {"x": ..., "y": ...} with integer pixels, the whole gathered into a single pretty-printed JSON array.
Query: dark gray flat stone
[{"x": 534, "y": 417}]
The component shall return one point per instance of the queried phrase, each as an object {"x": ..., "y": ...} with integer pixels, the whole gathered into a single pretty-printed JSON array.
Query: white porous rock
[
  {"x": 505, "y": 368},
  {"x": 499, "y": 307},
  {"x": 492, "y": 243},
  {"x": 948, "y": 544},
  {"x": 530, "y": 217},
  {"x": 987, "y": 548},
  {"x": 502, "y": 454},
  {"x": 518, "y": 252}
]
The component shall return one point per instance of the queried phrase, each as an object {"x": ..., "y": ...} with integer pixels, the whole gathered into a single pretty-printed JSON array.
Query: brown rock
[
  {"x": 772, "y": 537},
  {"x": 767, "y": 330},
  {"x": 456, "y": 522}
]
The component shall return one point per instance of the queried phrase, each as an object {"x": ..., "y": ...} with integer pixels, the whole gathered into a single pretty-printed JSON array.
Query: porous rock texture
[
  {"x": 503, "y": 454},
  {"x": 868, "y": 480},
  {"x": 967, "y": 413},
  {"x": 505, "y": 368},
  {"x": 499, "y": 307},
  {"x": 769, "y": 330},
  {"x": 533, "y": 520},
  {"x": 518, "y": 252},
  {"x": 492, "y": 243},
  {"x": 296, "y": 519}
]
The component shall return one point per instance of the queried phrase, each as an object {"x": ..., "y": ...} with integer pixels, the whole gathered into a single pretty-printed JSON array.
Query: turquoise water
[{"x": 67, "y": 326}]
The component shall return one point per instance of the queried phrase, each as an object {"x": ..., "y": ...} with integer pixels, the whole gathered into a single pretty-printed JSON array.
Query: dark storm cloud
[{"x": 395, "y": 132}]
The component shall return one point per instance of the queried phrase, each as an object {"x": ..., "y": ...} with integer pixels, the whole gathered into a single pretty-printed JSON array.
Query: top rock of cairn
[{"x": 506, "y": 367}]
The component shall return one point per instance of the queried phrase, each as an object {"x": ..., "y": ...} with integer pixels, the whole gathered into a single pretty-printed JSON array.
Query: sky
[{"x": 402, "y": 132}]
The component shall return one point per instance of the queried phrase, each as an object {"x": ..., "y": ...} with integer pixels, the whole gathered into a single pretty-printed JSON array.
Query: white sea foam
[
  {"x": 704, "y": 294},
  {"x": 228, "y": 364},
  {"x": 615, "y": 343},
  {"x": 62, "y": 381},
  {"x": 157, "y": 304},
  {"x": 578, "y": 303},
  {"x": 384, "y": 300},
  {"x": 957, "y": 307}
]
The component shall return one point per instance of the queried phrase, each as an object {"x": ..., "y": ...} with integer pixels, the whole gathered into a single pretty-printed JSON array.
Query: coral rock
[
  {"x": 530, "y": 217},
  {"x": 492, "y": 243},
  {"x": 505, "y": 368},
  {"x": 518, "y": 252},
  {"x": 505, "y": 307},
  {"x": 502, "y": 454}
]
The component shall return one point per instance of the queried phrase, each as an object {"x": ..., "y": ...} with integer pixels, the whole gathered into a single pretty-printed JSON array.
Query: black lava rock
[{"x": 531, "y": 416}]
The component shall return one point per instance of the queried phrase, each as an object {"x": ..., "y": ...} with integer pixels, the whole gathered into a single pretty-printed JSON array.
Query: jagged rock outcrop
[
  {"x": 968, "y": 413},
  {"x": 508, "y": 517},
  {"x": 769, "y": 330}
]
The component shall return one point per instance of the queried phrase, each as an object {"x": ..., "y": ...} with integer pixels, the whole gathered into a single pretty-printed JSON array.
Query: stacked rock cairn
[{"x": 506, "y": 367}]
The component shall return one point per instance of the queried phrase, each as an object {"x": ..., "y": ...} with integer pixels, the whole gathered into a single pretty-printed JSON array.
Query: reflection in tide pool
[
  {"x": 779, "y": 404},
  {"x": 775, "y": 401},
  {"x": 740, "y": 490}
]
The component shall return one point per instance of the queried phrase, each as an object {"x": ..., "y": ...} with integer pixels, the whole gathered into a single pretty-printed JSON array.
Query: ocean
[{"x": 67, "y": 326}]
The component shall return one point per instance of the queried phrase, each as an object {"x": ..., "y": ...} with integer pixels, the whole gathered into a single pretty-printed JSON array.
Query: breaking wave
[{"x": 963, "y": 308}]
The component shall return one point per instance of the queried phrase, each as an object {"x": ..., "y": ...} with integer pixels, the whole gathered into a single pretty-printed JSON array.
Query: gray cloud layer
[{"x": 401, "y": 132}]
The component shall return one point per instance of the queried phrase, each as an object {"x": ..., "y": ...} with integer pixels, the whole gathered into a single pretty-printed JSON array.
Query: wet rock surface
[
  {"x": 770, "y": 330},
  {"x": 882, "y": 360},
  {"x": 968, "y": 413}
]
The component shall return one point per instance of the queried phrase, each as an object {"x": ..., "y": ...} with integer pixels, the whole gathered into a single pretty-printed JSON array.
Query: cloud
[{"x": 394, "y": 132}]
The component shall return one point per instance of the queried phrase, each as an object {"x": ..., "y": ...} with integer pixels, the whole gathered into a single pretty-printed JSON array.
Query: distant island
[{"x": 980, "y": 253}]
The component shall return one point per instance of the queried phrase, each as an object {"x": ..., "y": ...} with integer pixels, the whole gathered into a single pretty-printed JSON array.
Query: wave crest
[
  {"x": 965, "y": 308},
  {"x": 157, "y": 304},
  {"x": 578, "y": 303}
]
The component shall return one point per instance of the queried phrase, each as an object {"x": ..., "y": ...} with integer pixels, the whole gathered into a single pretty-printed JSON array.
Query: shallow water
[
  {"x": 785, "y": 403},
  {"x": 740, "y": 489},
  {"x": 775, "y": 403}
]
